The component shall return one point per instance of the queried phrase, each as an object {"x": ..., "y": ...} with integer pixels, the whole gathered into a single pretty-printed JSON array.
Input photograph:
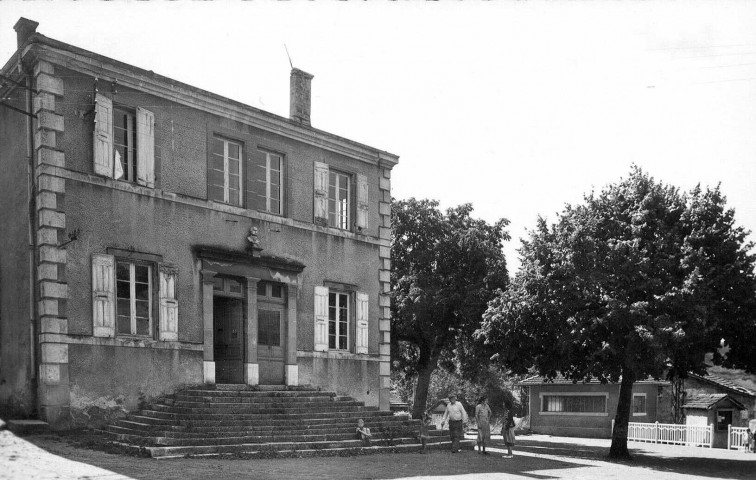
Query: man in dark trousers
[{"x": 457, "y": 416}]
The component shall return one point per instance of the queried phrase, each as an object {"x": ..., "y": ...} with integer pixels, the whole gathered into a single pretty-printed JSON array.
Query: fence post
[
  {"x": 729, "y": 436},
  {"x": 711, "y": 436},
  {"x": 656, "y": 432},
  {"x": 612, "y": 432}
]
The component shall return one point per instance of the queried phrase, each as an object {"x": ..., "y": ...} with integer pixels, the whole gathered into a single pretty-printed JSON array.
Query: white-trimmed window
[
  {"x": 265, "y": 182},
  {"x": 639, "y": 404},
  {"x": 339, "y": 193},
  {"x": 338, "y": 320},
  {"x": 224, "y": 171},
  {"x": 124, "y": 142},
  {"x": 341, "y": 320},
  {"x": 573, "y": 404},
  {"x": 133, "y": 298}
]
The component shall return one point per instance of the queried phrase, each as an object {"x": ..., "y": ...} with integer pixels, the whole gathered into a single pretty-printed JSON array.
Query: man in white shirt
[{"x": 457, "y": 416}]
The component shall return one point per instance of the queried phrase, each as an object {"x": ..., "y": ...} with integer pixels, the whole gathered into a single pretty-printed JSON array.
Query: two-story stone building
[{"x": 157, "y": 235}]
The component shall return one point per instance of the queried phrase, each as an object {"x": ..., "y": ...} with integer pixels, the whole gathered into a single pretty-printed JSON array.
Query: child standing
[
  {"x": 363, "y": 432},
  {"x": 424, "y": 426}
]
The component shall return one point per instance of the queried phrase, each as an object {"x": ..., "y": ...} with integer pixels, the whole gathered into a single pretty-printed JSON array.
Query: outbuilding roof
[
  {"x": 725, "y": 384},
  {"x": 707, "y": 401},
  {"x": 562, "y": 380}
]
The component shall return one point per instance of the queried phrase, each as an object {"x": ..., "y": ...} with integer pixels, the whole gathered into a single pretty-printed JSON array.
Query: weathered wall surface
[
  {"x": 107, "y": 381},
  {"x": 16, "y": 368},
  {"x": 353, "y": 377},
  {"x": 695, "y": 387}
]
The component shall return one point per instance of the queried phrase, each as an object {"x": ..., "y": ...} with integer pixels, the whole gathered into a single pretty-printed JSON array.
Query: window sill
[
  {"x": 128, "y": 342},
  {"x": 338, "y": 355}
]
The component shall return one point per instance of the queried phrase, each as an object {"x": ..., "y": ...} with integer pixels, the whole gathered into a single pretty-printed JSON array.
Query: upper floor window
[
  {"x": 124, "y": 143},
  {"x": 339, "y": 192},
  {"x": 265, "y": 187},
  {"x": 133, "y": 298},
  {"x": 224, "y": 172}
]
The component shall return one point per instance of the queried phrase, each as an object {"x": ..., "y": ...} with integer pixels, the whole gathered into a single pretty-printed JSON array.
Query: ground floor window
[
  {"x": 639, "y": 404},
  {"x": 338, "y": 321},
  {"x": 134, "y": 298},
  {"x": 586, "y": 404},
  {"x": 724, "y": 419}
]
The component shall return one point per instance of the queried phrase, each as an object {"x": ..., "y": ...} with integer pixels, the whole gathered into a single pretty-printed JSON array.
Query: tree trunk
[
  {"x": 426, "y": 366},
  {"x": 618, "y": 450}
]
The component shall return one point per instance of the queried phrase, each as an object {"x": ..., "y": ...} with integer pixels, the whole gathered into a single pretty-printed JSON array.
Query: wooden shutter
[
  {"x": 362, "y": 202},
  {"x": 168, "y": 329},
  {"x": 103, "y": 136},
  {"x": 321, "y": 193},
  {"x": 321, "y": 319},
  {"x": 145, "y": 127},
  {"x": 361, "y": 338},
  {"x": 103, "y": 295},
  {"x": 255, "y": 180}
]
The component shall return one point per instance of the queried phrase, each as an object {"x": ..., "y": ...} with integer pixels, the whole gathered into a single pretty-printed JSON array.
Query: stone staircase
[{"x": 211, "y": 420}]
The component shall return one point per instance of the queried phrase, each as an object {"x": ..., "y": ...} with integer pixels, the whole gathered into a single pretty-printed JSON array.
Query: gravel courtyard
[{"x": 536, "y": 457}]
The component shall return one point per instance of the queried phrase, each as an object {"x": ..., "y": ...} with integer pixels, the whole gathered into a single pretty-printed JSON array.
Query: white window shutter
[
  {"x": 321, "y": 319},
  {"x": 168, "y": 328},
  {"x": 362, "y": 202},
  {"x": 361, "y": 341},
  {"x": 103, "y": 136},
  {"x": 320, "y": 199},
  {"x": 145, "y": 127},
  {"x": 103, "y": 295}
]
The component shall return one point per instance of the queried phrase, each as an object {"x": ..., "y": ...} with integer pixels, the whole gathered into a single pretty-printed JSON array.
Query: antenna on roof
[{"x": 287, "y": 54}]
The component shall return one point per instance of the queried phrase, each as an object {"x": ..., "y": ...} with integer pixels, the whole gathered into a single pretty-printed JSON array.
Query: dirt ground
[{"x": 536, "y": 457}]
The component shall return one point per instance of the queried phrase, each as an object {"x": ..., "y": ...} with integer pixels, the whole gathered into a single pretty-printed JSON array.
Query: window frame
[
  {"x": 226, "y": 172},
  {"x": 225, "y": 291},
  {"x": 349, "y": 299},
  {"x": 343, "y": 222},
  {"x": 603, "y": 395},
  {"x": 152, "y": 292},
  {"x": 130, "y": 169},
  {"x": 645, "y": 405},
  {"x": 268, "y": 185}
]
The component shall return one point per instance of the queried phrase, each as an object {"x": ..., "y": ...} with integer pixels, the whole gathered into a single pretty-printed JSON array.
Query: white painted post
[
  {"x": 612, "y": 432},
  {"x": 656, "y": 432},
  {"x": 729, "y": 436},
  {"x": 711, "y": 436}
]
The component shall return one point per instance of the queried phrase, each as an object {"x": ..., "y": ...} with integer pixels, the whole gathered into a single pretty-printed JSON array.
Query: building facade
[
  {"x": 157, "y": 235},
  {"x": 586, "y": 409}
]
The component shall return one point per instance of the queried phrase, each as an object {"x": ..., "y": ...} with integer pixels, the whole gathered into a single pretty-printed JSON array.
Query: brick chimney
[
  {"x": 299, "y": 96},
  {"x": 24, "y": 28}
]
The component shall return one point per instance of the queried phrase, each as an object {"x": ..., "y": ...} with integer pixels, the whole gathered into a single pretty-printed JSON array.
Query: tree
[
  {"x": 640, "y": 280},
  {"x": 445, "y": 269}
]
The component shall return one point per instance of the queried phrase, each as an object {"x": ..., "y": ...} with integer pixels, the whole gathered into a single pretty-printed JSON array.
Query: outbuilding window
[
  {"x": 561, "y": 404},
  {"x": 639, "y": 404}
]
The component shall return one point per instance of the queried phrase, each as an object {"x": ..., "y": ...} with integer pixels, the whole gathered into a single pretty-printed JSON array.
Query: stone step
[
  {"x": 232, "y": 424},
  {"x": 255, "y": 393},
  {"x": 262, "y": 399},
  {"x": 299, "y": 416},
  {"x": 147, "y": 430},
  {"x": 226, "y": 387},
  {"x": 174, "y": 452},
  {"x": 254, "y": 410},
  {"x": 321, "y": 447}
]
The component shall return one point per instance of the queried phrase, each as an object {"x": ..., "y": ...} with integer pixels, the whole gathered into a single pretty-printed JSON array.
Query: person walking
[
  {"x": 456, "y": 415},
  {"x": 507, "y": 429},
  {"x": 482, "y": 418}
]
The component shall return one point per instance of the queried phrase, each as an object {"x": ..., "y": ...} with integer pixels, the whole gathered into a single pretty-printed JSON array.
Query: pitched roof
[
  {"x": 725, "y": 384},
  {"x": 562, "y": 380},
  {"x": 707, "y": 401}
]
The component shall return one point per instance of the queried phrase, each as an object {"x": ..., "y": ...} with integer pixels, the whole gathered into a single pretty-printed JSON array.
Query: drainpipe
[{"x": 32, "y": 192}]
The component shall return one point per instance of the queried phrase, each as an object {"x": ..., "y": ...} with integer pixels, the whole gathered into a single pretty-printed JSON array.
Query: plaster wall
[
  {"x": 357, "y": 378},
  {"x": 16, "y": 368},
  {"x": 739, "y": 419}
]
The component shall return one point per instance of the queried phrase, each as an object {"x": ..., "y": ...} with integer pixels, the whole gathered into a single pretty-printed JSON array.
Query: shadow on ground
[{"x": 534, "y": 458}]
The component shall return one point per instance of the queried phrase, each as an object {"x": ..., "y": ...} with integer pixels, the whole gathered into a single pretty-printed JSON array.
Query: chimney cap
[
  {"x": 296, "y": 71},
  {"x": 24, "y": 28}
]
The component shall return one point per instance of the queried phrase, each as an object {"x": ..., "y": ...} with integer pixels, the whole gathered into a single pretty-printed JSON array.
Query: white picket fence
[
  {"x": 737, "y": 438},
  {"x": 672, "y": 434}
]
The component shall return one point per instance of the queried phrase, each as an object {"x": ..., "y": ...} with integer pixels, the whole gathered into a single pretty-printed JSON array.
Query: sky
[{"x": 517, "y": 107}]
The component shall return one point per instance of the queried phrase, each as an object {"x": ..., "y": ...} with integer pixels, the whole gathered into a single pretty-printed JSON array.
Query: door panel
[
  {"x": 271, "y": 340},
  {"x": 228, "y": 316}
]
